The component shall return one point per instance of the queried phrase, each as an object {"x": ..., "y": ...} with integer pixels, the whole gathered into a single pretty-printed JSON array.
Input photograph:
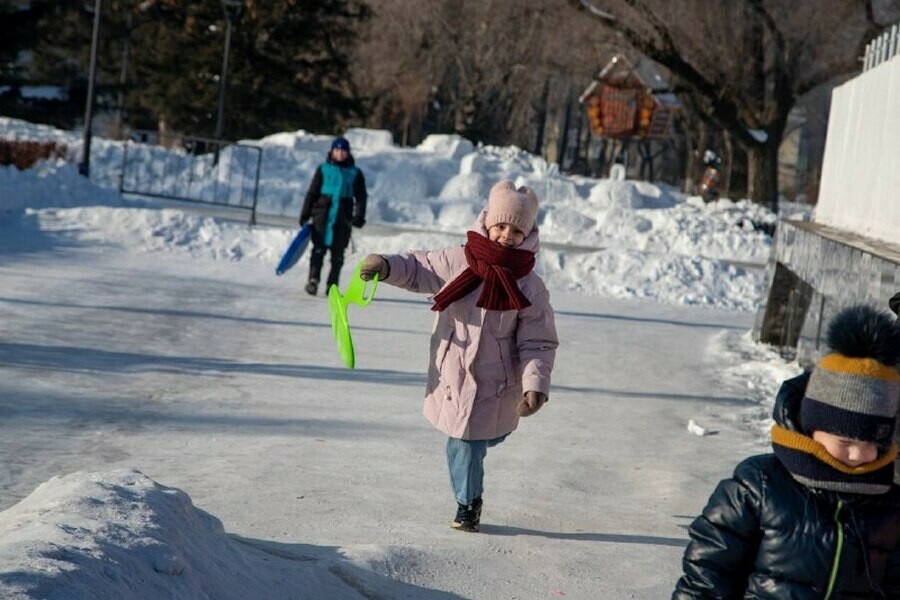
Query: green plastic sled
[{"x": 337, "y": 306}]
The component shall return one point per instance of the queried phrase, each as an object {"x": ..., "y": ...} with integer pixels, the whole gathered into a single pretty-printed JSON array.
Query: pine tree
[
  {"x": 288, "y": 67},
  {"x": 18, "y": 28}
]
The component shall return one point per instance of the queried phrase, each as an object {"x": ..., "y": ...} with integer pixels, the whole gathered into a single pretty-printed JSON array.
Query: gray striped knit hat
[{"x": 854, "y": 391}]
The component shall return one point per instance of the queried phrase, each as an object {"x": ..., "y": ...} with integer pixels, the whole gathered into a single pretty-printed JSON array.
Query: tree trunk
[
  {"x": 165, "y": 134},
  {"x": 728, "y": 164},
  {"x": 541, "y": 119},
  {"x": 564, "y": 139},
  {"x": 762, "y": 172},
  {"x": 695, "y": 148}
]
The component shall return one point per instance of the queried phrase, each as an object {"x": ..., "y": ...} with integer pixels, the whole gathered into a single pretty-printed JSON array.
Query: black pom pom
[
  {"x": 864, "y": 332},
  {"x": 894, "y": 303}
]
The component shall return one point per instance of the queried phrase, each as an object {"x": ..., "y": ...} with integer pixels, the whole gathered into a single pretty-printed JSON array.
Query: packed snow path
[{"x": 223, "y": 381}]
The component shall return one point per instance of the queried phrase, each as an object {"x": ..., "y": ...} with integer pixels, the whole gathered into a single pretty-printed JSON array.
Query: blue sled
[{"x": 294, "y": 251}]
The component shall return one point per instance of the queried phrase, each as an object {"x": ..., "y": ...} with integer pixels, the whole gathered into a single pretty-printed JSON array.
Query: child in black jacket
[{"x": 820, "y": 517}]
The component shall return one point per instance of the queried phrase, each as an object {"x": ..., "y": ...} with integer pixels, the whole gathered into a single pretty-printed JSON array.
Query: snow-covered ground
[{"x": 177, "y": 423}]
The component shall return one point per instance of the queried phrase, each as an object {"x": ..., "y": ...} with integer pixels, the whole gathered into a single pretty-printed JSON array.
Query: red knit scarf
[{"x": 498, "y": 267}]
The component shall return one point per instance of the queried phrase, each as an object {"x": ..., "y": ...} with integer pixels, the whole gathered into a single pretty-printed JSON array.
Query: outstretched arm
[{"x": 419, "y": 271}]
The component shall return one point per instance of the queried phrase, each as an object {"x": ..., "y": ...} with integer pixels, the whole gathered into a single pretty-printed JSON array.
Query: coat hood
[{"x": 786, "y": 411}]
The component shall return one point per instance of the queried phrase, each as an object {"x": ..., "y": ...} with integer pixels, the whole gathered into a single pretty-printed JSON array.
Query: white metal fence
[{"x": 883, "y": 48}]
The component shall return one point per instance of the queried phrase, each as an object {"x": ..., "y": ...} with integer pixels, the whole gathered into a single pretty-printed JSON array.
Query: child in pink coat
[{"x": 494, "y": 340}]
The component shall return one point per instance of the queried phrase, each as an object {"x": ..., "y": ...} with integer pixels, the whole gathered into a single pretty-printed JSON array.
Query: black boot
[
  {"x": 468, "y": 517},
  {"x": 333, "y": 277},
  {"x": 312, "y": 286}
]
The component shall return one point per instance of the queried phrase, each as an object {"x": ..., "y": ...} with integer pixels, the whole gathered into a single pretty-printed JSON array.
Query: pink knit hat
[{"x": 506, "y": 204}]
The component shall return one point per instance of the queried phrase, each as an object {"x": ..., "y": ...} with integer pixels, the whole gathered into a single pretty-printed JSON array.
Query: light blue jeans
[{"x": 465, "y": 458}]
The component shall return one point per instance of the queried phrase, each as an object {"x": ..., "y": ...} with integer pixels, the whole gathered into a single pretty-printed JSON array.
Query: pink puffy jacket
[{"x": 481, "y": 362}]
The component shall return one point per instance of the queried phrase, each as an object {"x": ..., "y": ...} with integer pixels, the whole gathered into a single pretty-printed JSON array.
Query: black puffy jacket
[{"x": 764, "y": 535}]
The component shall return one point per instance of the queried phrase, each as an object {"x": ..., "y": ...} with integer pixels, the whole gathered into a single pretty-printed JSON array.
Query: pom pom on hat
[
  {"x": 506, "y": 204},
  {"x": 340, "y": 144},
  {"x": 854, "y": 391}
]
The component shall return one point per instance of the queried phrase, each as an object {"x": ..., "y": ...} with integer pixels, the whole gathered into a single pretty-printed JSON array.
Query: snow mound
[
  {"x": 450, "y": 146},
  {"x": 552, "y": 189},
  {"x": 166, "y": 230},
  {"x": 471, "y": 187},
  {"x": 52, "y": 183},
  {"x": 397, "y": 182},
  {"x": 609, "y": 193},
  {"x": 651, "y": 227},
  {"x": 369, "y": 140},
  {"x": 667, "y": 278},
  {"x": 119, "y": 535},
  {"x": 295, "y": 140},
  {"x": 15, "y": 129}
]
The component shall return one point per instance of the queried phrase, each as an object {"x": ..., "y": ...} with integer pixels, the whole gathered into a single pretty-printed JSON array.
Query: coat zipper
[{"x": 838, "y": 550}]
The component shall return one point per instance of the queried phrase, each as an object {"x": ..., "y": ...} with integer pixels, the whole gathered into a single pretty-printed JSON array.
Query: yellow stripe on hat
[
  {"x": 802, "y": 443},
  {"x": 867, "y": 367}
]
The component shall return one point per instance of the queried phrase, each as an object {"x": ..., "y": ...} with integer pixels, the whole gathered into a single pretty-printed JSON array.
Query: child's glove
[
  {"x": 374, "y": 264},
  {"x": 531, "y": 403}
]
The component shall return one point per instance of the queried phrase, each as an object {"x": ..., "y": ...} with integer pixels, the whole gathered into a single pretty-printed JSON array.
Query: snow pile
[
  {"x": 450, "y": 146},
  {"x": 50, "y": 183},
  {"x": 619, "y": 238},
  {"x": 663, "y": 277},
  {"x": 758, "y": 369},
  {"x": 165, "y": 230},
  {"x": 14, "y": 129},
  {"x": 117, "y": 535}
]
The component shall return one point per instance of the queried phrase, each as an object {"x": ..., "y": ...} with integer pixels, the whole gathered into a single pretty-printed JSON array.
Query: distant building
[
  {"x": 624, "y": 115},
  {"x": 630, "y": 101}
]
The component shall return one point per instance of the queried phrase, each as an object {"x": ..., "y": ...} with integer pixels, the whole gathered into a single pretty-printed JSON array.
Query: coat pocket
[{"x": 504, "y": 346}]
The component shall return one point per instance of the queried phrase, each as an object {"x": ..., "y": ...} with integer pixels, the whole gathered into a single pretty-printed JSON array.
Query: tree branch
[
  {"x": 781, "y": 82},
  {"x": 850, "y": 64},
  {"x": 602, "y": 14},
  {"x": 721, "y": 109}
]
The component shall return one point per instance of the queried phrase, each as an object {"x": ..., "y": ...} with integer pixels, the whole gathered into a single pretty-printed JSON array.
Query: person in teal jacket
[{"x": 335, "y": 201}]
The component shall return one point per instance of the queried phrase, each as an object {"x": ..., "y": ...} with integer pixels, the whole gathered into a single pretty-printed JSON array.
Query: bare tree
[
  {"x": 745, "y": 63},
  {"x": 477, "y": 68}
]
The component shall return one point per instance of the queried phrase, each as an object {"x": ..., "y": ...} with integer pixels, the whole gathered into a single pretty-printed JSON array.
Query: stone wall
[{"x": 816, "y": 270}]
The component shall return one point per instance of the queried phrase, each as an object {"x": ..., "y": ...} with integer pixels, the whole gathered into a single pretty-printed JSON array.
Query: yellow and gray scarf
[{"x": 810, "y": 464}]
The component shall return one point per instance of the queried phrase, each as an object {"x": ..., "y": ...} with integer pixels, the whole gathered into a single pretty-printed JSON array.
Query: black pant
[{"x": 317, "y": 256}]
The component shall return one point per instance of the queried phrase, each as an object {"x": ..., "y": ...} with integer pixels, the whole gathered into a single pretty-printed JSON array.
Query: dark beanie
[
  {"x": 854, "y": 391},
  {"x": 340, "y": 144}
]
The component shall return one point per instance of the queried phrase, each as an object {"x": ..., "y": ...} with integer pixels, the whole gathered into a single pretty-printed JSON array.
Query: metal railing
[
  {"x": 883, "y": 48},
  {"x": 193, "y": 169}
]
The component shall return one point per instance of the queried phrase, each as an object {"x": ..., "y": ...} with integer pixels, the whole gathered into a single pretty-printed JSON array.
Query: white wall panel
[{"x": 860, "y": 187}]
